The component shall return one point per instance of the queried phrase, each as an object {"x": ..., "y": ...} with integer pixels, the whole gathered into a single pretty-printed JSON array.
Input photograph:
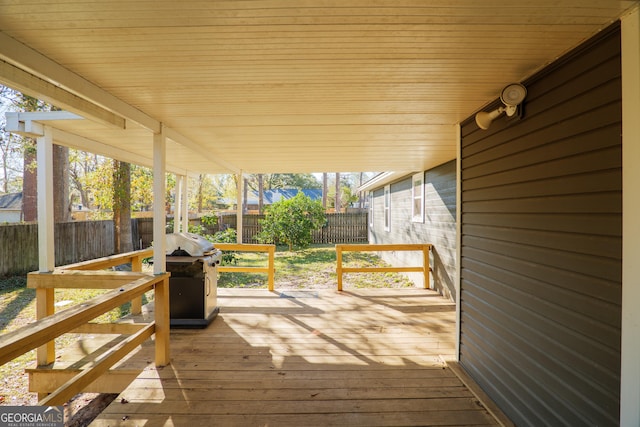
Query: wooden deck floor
[{"x": 308, "y": 358}]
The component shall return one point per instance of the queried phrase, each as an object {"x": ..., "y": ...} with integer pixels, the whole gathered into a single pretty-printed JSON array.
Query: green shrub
[
  {"x": 209, "y": 220},
  {"x": 226, "y": 236},
  {"x": 291, "y": 221}
]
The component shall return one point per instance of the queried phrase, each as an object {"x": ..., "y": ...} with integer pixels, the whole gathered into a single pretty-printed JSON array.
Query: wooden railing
[
  {"x": 244, "y": 247},
  {"x": 124, "y": 287},
  {"x": 135, "y": 258},
  {"x": 424, "y": 268}
]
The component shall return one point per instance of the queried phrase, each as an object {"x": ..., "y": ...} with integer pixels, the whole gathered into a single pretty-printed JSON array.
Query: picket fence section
[{"x": 83, "y": 240}]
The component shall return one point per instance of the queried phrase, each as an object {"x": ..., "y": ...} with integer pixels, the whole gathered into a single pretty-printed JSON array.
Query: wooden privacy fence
[
  {"x": 75, "y": 241},
  {"x": 250, "y": 225},
  {"x": 343, "y": 228},
  {"x": 340, "y": 227},
  {"x": 82, "y": 240},
  {"x": 424, "y": 268},
  {"x": 125, "y": 286},
  {"x": 269, "y": 269}
]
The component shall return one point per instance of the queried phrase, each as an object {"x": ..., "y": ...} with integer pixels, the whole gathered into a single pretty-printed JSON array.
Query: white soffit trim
[{"x": 384, "y": 178}]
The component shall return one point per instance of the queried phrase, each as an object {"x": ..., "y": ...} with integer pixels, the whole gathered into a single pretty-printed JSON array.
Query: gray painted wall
[
  {"x": 541, "y": 255},
  {"x": 438, "y": 228}
]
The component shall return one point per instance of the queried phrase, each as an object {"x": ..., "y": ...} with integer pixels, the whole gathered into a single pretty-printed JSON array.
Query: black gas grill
[{"x": 193, "y": 263}]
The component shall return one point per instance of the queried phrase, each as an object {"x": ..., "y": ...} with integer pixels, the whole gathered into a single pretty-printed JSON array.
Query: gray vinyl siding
[
  {"x": 438, "y": 228},
  {"x": 541, "y": 255}
]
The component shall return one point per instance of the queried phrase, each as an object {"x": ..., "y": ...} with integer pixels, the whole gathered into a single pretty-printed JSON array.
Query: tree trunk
[
  {"x": 245, "y": 191},
  {"x": 360, "y": 198},
  {"x": 5, "y": 165},
  {"x": 29, "y": 184},
  {"x": 200, "y": 196},
  {"x": 61, "y": 205},
  {"x": 325, "y": 187},
  {"x": 260, "y": 193},
  {"x": 338, "y": 202},
  {"x": 82, "y": 191},
  {"x": 123, "y": 241}
]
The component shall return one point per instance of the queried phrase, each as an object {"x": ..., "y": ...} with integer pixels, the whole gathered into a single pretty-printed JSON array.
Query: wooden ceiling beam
[{"x": 36, "y": 87}]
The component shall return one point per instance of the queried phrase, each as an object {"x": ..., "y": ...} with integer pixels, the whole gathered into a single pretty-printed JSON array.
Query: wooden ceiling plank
[{"x": 262, "y": 84}]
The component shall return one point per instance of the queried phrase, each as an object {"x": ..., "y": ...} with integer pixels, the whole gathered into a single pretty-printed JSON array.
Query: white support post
[
  {"x": 185, "y": 203},
  {"x": 159, "y": 189},
  {"x": 456, "y": 282},
  {"x": 239, "y": 212},
  {"x": 630, "y": 351},
  {"x": 177, "y": 205},
  {"x": 45, "y": 298},
  {"x": 44, "y": 157}
]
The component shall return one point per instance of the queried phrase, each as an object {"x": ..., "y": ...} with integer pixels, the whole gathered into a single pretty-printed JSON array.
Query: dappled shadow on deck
[{"x": 318, "y": 358}]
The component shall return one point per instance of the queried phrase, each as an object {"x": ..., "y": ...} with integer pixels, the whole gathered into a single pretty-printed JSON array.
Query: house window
[
  {"x": 417, "y": 208},
  {"x": 387, "y": 208},
  {"x": 371, "y": 209}
]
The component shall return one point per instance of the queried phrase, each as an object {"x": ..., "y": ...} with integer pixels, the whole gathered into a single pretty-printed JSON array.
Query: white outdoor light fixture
[{"x": 511, "y": 96}]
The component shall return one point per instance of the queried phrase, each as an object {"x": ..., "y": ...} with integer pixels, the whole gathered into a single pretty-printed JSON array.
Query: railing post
[
  {"x": 425, "y": 265},
  {"x": 339, "y": 266},
  {"x": 136, "y": 303},
  {"x": 45, "y": 306},
  {"x": 424, "y": 268},
  {"x": 272, "y": 255},
  {"x": 163, "y": 353},
  {"x": 246, "y": 247}
]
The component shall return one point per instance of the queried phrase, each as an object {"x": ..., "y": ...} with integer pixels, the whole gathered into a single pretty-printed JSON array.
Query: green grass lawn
[{"x": 313, "y": 268}]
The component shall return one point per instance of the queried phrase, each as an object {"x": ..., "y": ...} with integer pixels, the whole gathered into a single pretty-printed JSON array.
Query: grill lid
[{"x": 190, "y": 243}]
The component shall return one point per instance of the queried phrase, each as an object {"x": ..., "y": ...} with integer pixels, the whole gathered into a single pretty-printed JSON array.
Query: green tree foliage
[
  {"x": 349, "y": 182},
  {"x": 275, "y": 181},
  {"x": 348, "y": 196},
  {"x": 99, "y": 184},
  {"x": 291, "y": 221},
  {"x": 142, "y": 188},
  {"x": 11, "y": 147},
  {"x": 206, "y": 192},
  {"x": 10, "y": 162},
  {"x": 81, "y": 164},
  {"x": 226, "y": 236}
]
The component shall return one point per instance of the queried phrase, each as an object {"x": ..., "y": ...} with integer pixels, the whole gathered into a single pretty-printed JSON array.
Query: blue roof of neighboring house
[
  {"x": 11, "y": 201},
  {"x": 272, "y": 196}
]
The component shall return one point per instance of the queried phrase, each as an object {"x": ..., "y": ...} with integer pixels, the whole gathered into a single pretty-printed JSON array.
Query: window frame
[
  {"x": 417, "y": 197},
  {"x": 371, "y": 210},
  {"x": 387, "y": 207}
]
